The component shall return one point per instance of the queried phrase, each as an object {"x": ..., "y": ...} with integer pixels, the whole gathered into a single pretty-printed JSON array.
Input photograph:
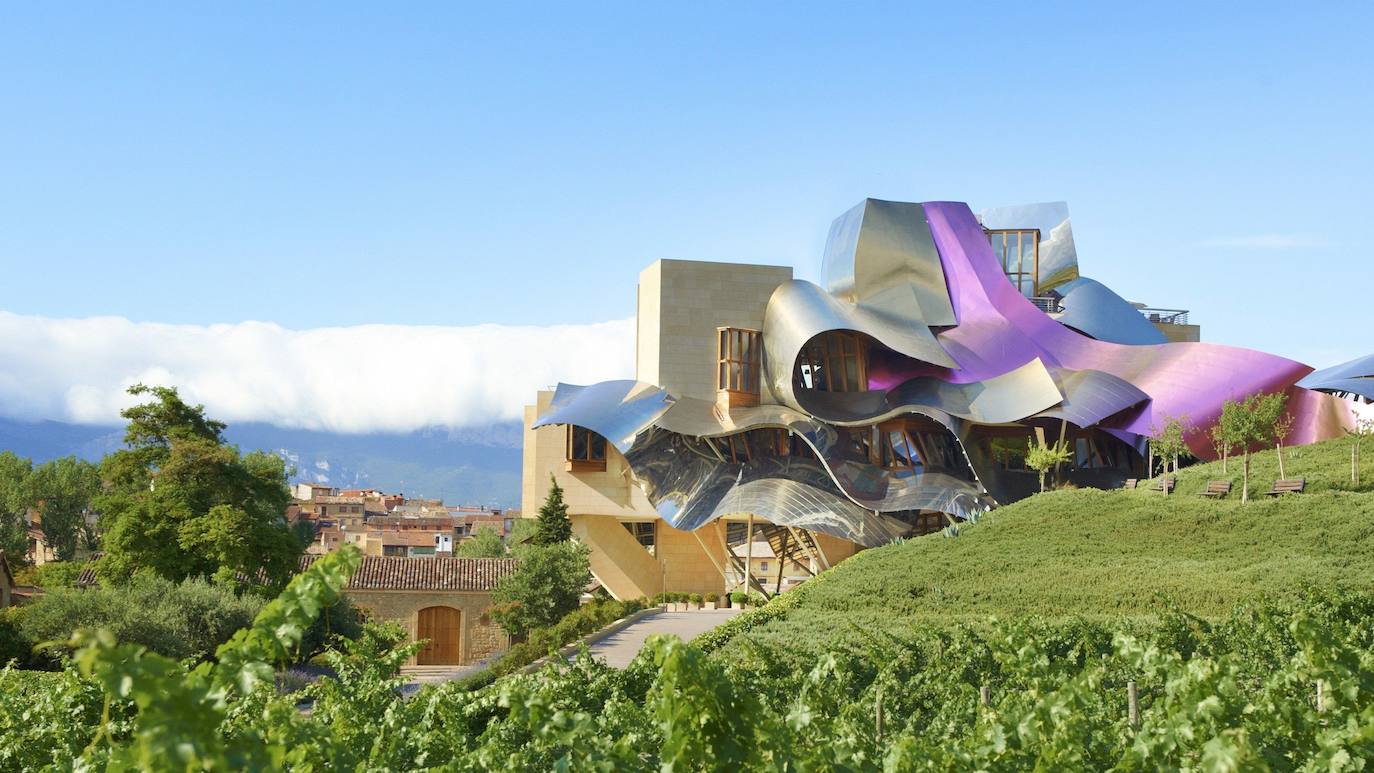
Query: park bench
[
  {"x": 1130, "y": 483},
  {"x": 1167, "y": 480},
  {"x": 1289, "y": 486},
  {"x": 1217, "y": 489}
]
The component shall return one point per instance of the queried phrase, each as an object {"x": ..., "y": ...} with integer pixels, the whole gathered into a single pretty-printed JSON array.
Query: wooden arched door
[{"x": 442, "y": 627}]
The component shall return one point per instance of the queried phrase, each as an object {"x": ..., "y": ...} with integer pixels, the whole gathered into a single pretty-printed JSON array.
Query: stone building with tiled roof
[{"x": 441, "y": 599}]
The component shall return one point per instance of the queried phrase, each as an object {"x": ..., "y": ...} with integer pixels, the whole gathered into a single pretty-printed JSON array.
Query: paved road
[
  {"x": 617, "y": 650},
  {"x": 620, "y": 648}
]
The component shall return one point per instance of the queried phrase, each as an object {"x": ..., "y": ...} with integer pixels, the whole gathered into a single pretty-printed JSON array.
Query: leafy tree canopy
[
  {"x": 184, "y": 503},
  {"x": 62, "y": 489},
  {"x": 14, "y": 501},
  {"x": 485, "y": 542},
  {"x": 1042, "y": 457},
  {"x": 545, "y": 587}
]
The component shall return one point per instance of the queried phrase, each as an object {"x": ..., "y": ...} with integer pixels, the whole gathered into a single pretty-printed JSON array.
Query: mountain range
[{"x": 468, "y": 466}]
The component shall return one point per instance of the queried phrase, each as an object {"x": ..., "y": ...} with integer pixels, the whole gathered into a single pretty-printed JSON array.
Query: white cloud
[
  {"x": 1264, "y": 242},
  {"x": 343, "y": 379}
]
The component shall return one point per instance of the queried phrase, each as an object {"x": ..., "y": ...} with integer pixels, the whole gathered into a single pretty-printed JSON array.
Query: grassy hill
[{"x": 1100, "y": 555}]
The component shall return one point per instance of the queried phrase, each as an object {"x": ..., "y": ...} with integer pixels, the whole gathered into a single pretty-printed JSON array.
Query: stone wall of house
[{"x": 482, "y": 637}]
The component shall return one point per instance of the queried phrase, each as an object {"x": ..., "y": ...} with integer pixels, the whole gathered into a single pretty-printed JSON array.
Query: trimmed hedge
[{"x": 586, "y": 619}]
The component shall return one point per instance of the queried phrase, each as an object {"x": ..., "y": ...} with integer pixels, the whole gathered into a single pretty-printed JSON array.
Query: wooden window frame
[
  {"x": 589, "y": 462},
  {"x": 831, "y": 354},
  {"x": 1021, "y": 273},
  {"x": 888, "y": 454},
  {"x": 739, "y": 366}
]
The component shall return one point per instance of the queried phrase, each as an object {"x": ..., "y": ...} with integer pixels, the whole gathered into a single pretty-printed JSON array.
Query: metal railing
[
  {"x": 1166, "y": 316},
  {"x": 1047, "y": 303}
]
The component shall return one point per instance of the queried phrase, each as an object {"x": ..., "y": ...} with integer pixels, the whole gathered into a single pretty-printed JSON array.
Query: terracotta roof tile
[
  {"x": 436, "y": 573},
  {"x": 439, "y": 573}
]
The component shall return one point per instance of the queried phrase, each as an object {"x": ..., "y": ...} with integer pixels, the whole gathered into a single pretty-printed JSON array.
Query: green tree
[
  {"x": 522, "y": 530},
  {"x": 1217, "y": 434},
  {"x": 546, "y": 586},
  {"x": 1042, "y": 457},
  {"x": 62, "y": 490},
  {"x": 1250, "y": 425},
  {"x": 1283, "y": 427},
  {"x": 1363, "y": 428},
  {"x": 554, "y": 525},
  {"x": 183, "y": 503},
  {"x": 1169, "y": 442},
  {"x": 14, "y": 503},
  {"x": 485, "y": 542}
]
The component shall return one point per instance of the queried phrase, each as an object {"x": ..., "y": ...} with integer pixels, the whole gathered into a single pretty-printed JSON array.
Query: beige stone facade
[
  {"x": 481, "y": 637},
  {"x": 681, "y": 303},
  {"x": 1180, "y": 333}
]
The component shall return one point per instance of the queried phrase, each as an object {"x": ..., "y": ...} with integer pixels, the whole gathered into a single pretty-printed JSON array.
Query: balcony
[{"x": 1166, "y": 316}]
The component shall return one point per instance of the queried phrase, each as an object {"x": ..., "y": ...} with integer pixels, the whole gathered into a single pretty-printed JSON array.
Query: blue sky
[{"x": 332, "y": 164}]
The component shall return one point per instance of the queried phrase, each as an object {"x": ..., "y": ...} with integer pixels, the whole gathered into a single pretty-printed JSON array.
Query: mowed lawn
[{"x": 1107, "y": 554}]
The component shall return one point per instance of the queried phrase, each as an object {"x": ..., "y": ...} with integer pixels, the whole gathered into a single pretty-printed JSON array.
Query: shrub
[
  {"x": 58, "y": 574},
  {"x": 179, "y": 620},
  {"x": 546, "y": 586},
  {"x": 336, "y": 623},
  {"x": 15, "y": 645},
  {"x": 711, "y": 598},
  {"x": 738, "y": 598},
  {"x": 586, "y": 619},
  {"x": 695, "y": 599}
]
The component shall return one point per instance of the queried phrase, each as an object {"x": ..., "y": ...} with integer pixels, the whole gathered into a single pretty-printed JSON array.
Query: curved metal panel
[
  {"x": 1006, "y": 398},
  {"x": 857, "y": 478},
  {"x": 880, "y": 256},
  {"x": 1354, "y": 377},
  {"x": 691, "y": 485},
  {"x": 1091, "y": 308},
  {"x": 616, "y": 410},
  {"x": 1091, "y": 396},
  {"x": 999, "y": 330},
  {"x": 799, "y": 311}
]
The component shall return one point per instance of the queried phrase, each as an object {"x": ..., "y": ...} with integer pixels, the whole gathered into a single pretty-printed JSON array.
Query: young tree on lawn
[
  {"x": 485, "y": 542},
  {"x": 1218, "y": 437},
  {"x": 1250, "y": 425},
  {"x": 1363, "y": 428},
  {"x": 1042, "y": 458},
  {"x": 554, "y": 525},
  {"x": 1283, "y": 427},
  {"x": 14, "y": 503},
  {"x": 546, "y": 586},
  {"x": 62, "y": 490},
  {"x": 1169, "y": 442}
]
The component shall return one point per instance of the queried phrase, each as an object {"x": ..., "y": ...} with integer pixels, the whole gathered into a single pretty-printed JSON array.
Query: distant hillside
[
  {"x": 470, "y": 466},
  {"x": 1099, "y": 554}
]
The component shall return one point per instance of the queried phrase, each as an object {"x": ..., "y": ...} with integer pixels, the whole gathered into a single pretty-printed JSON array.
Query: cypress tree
[{"x": 554, "y": 525}]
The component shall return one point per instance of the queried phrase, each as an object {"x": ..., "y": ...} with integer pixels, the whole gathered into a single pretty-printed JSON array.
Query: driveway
[{"x": 620, "y": 648}]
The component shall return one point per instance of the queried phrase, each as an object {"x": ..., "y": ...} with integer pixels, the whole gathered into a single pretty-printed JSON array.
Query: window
[
  {"x": 643, "y": 532},
  {"x": 898, "y": 448},
  {"x": 1018, "y": 250},
  {"x": 833, "y": 362},
  {"x": 737, "y": 365},
  {"x": 586, "y": 450},
  {"x": 763, "y": 566}
]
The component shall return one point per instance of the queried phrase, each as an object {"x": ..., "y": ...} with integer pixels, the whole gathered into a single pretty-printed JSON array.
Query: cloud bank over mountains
[{"x": 366, "y": 378}]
